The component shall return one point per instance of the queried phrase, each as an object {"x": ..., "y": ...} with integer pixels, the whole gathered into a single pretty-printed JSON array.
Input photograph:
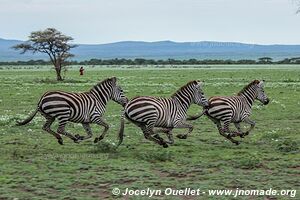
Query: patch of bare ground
[
  {"x": 99, "y": 191},
  {"x": 25, "y": 190},
  {"x": 179, "y": 175},
  {"x": 102, "y": 190}
]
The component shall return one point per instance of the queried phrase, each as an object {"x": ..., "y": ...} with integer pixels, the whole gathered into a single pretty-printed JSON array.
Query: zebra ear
[
  {"x": 261, "y": 83},
  {"x": 113, "y": 80},
  {"x": 199, "y": 84}
]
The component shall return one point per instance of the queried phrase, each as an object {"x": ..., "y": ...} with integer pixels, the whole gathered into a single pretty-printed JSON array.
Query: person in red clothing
[{"x": 81, "y": 71}]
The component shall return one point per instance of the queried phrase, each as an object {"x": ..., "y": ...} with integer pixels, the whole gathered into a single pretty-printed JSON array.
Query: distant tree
[
  {"x": 139, "y": 61},
  {"x": 284, "y": 61},
  {"x": 94, "y": 61},
  {"x": 171, "y": 61},
  {"x": 150, "y": 62},
  {"x": 192, "y": 61},
  {"x": 295, "y": 60},
  {"x": 265, "y": 60},
  {"x": 246, "y": 61},
  {"x": 51, "y": 42}
]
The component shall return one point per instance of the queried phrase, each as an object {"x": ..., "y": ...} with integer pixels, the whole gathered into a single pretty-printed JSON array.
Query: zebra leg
[
  {"x": 148, "y": 133},
  {"x": 87, "y": 129},
  {"x": 156, "y": 134},
  {"x": 252, "y": 123},
  {"x": 101, "y": 122},
  {"x": 238, "y": 127},
  {"x": 223, "y": 131},
  {"x": 184, "y": 125},
  {"x": 226, "y": 130},
  {"x": 46, "y": 127},
  {"x": 168, "y": 132},
  {"x": 61, "y": 130}
]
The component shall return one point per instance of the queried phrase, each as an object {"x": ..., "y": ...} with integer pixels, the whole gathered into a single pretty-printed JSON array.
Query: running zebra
[
  {"x": 84, "y": 108},
  {"x": 236, "y": 109},
  {"x": 167, "y": 113}
]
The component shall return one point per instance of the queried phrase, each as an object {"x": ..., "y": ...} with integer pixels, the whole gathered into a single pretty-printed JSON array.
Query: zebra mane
[
  {"x": 111, "y": 80},
  {"x": 183, "y": 87},
  {"x": 248, "y": 86}
]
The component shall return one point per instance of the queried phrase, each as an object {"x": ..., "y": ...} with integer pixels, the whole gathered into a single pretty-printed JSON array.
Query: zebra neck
[
  {"x": 249, "y": 95},
  {"x": 103, "y": 96},
  {"x": 183, "y": 100}
]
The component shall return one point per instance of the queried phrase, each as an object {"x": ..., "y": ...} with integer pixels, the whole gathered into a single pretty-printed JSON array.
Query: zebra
[
  {"x": 149, "y": 112},
  {"x": 235, "y": 109},
  {"x": 84, "y": 108}
]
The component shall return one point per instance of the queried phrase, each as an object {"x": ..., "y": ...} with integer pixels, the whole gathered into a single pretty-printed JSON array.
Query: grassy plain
[{"x": 34, "y": 166}]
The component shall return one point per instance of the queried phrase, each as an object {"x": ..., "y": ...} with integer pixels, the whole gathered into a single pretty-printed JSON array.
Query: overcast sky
[{"x": 104, "y": 21}]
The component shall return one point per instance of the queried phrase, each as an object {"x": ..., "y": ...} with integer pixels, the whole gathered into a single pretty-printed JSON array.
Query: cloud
[{"x": 101, "y": 21}]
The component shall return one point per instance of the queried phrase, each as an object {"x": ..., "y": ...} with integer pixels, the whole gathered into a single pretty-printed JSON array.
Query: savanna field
[{"x": 34, "y": 166}]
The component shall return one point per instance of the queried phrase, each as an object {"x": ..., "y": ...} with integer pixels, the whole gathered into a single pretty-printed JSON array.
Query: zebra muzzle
[{"x": 267, "y": 101}]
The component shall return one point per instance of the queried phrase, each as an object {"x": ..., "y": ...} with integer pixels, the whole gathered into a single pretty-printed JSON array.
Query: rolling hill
[{"x": 162, "y": 50}]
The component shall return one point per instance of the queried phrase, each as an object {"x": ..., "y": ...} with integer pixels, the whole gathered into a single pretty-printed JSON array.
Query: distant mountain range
[{"x": 162, "y": 50}]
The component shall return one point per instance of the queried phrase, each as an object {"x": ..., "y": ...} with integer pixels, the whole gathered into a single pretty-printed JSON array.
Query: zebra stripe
[
  {"x": 148, "y": 112},
  {"x": 85, "y": 108},
  {"x": 236, "y": 109}
]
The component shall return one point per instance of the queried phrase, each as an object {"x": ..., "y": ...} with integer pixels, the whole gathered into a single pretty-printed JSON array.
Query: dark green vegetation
[
  {"x": 34, "y": 166},
  {"x": 142, "y": 61}
]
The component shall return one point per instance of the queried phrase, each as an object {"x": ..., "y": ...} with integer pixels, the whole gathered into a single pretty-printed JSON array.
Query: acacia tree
[
  {"x": 51, "y": 42},
  {"x": 265, "y": 60}
]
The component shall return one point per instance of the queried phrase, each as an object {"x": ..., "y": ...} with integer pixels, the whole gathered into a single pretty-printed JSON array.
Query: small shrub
[
  {"x": 104, "y": 147},
  {"x": 161, "y": 156},
  {"x": 287, "y": 145},
  {"x": 248, "y": 162}
]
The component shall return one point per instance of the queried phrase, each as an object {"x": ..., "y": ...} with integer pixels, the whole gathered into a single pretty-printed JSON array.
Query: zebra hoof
[
  {"x": 170, "y": 142},
  {"x": 180, "y": 136},
  {"x": 100, "y": 137},
  {"x": 79, "y": 137},
  {"x": 97, "y": 139},
  {"x": 60, "y": 141},
  {"x": 165, "y": 145},
  {"x": 76, "y": 140}
]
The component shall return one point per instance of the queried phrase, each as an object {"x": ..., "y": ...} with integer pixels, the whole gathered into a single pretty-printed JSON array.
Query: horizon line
[{"x": 172, "y": 41}]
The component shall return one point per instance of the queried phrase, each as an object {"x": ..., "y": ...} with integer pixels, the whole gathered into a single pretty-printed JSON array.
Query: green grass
[{"x": 34, "y": 166}]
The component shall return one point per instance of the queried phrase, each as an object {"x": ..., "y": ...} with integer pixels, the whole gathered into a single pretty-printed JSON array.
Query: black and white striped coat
[
  {"x": 85, "y": 108},
  {"x": 223, "y": 110},
  {"x": 149, "y": 112}
]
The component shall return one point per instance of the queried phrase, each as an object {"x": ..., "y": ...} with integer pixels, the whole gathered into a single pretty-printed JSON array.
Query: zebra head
[
  {"x": 117, "y": 93},
  {"x": 199, "y": 97},
  {"x": 261, "y": 95}
]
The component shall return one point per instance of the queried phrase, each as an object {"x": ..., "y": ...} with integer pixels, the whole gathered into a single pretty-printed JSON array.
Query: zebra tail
[
  {"x": 27, "y": 120},
  {"x": 121, "y": 131},
  {"x": 194, "y": 117}
]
